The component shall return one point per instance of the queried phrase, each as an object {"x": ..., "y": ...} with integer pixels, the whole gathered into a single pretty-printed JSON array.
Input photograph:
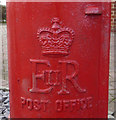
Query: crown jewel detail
[{"x": 56, "y": 40}]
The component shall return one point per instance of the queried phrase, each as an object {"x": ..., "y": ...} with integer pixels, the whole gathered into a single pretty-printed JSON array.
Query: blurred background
[
  {"x": 4, "y": 57},
  {"x": 3, "y": 46}
]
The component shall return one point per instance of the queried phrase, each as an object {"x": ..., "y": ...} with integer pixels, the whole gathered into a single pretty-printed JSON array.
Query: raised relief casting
[{"x": 55, "y": 41}]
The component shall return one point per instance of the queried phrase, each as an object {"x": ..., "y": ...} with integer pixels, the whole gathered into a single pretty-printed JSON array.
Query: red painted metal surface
[{"x": 58, "y": 59}]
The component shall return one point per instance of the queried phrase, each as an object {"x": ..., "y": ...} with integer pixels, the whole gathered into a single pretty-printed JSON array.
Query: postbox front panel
[{"x": 58, "y": 59}]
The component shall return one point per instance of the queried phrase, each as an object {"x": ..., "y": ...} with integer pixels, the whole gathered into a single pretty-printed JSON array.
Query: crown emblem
[{"x": 56, "y": 40}]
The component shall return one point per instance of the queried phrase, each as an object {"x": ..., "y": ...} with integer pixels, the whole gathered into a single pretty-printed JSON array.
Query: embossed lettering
[
  {"x": 23, "y": 101},
  {"x": 29, "y": 104},
  {"x": 54, "y": 78},
  {"x": 38, "y": 76},
  {"x": 35, "y": 104},
  {"x": 89, "y": 102},
  {"x": 78, "y": 104},
  {"x": 45, "y": 102},
  {"x": 49, "y": 80},
  {"x": 59, "y": 105},
  {"x": 66, "y": 104},
  {"x": 55, "y": 42},
  {"x": 71, "y": 77},
  {"x": 73, "y": 104}
]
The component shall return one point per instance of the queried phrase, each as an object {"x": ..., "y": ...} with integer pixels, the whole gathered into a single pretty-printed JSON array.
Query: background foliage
[{"x": 2, "y": 13}]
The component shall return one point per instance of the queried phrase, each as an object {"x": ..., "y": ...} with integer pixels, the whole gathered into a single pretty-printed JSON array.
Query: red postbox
[{"x": 58, "y": 59}]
